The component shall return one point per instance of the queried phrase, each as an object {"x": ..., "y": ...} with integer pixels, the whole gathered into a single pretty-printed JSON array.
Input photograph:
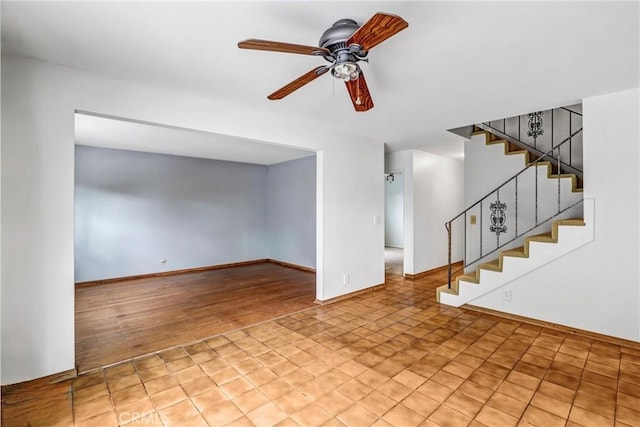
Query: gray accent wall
[
  {"x": 134, "y": 209},
  {"x": 291, "y": 212}
]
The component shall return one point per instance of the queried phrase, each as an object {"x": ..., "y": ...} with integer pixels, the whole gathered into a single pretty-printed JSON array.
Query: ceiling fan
[{"x": 343, "y": 45}]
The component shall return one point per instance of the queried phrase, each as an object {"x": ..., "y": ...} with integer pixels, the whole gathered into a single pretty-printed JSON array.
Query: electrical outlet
[
  {"x": 506, "y": 295},
  {"x": 345, "y": 279},
  {"x": 472, "y": 219},
  {"x": 163, "y": 261}
]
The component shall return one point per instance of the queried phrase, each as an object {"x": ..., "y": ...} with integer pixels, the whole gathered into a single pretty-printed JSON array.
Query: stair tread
[
  {"x": 571, "y": 221},
  {"x": 491, "y": 265},
  {"x": 468, "y": 278},
  {"x": 515, "y": 252},
  {"x": 497, "y": 141},
  {"x": 446, "y": 290},
  {"x": 563, "y": 175},
  {"x": 545, "y": 237},
  {"x": 542, "y": 163}
]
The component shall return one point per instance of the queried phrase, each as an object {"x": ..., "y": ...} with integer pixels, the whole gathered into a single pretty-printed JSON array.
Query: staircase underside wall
[{"x": 596, "y": 287}]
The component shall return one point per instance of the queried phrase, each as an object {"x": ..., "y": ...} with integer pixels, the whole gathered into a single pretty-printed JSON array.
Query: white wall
[
  {"x": 351, "y": 195},
  {"x": 38, "y": 104},
  {"x": 394, "y": 211},
  {"x": 291, "y": 212},
  {"x": 437, "y": 197},
  {"x": 433, "y": 192},
  {"x": 133, "y": 209},
  {"x": 596, "y": 287}
]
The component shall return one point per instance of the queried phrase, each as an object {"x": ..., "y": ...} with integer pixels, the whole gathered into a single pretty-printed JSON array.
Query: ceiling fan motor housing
[{"x": 339, "y": 33}]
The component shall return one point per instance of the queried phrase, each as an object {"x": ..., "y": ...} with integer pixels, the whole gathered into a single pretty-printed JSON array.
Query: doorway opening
[
  {"x": 181, "y": 234},
  {"x": 394, "y": 223}
]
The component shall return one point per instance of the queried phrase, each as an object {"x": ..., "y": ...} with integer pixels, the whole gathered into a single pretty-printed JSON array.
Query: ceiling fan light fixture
[
  {"x": 342, "y": 46},
  {"x": 346, "y": 71}
]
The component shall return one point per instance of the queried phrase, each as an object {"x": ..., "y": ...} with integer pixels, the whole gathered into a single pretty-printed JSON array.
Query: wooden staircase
[{"x": 496, "y": 265}]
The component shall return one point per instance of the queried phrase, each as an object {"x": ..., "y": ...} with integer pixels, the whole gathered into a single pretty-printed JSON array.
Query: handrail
[
  {"x": 571, "y": 111},
  {"x": 547, "y": 157}
]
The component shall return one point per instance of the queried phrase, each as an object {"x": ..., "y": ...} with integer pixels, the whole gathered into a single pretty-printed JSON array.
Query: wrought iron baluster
[
  {"x": 480, "y": 228},
  {"x": 519, "y": 134},
  {"x": 516, "y": 229},
  {"x": 448, "y": 227},
  {"x": 570, "y": 137},
  {"x": 552, "y": 126},
  {"x": 536, "y": 195},
  {"x": 559, "y": 173},
  {"x": 464, "y": 256}
]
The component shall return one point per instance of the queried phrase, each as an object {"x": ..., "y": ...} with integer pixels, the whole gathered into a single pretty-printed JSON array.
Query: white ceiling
[{"x": 458, "y": 63}]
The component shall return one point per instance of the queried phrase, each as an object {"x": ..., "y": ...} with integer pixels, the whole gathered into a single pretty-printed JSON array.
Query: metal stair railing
[
  {"x": 498, "y": 220},
  {"x": 563, "y": 122}
]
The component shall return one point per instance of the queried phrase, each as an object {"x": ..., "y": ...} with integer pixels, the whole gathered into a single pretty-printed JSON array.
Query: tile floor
[{"x": 390, "y": 357}]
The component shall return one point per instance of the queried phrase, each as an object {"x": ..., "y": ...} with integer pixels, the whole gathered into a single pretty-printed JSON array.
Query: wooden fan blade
[
  {"x": 298, "y": 83},
  {"x": 282, "y": 47},
  {"x": 359, "y": 93},
  {"x": 380, "y": 27}
]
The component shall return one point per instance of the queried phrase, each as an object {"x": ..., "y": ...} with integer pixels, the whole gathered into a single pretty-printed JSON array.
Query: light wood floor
[
  {"x": 119, "y": 321},
  {"x": 391, "y": 357}
]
